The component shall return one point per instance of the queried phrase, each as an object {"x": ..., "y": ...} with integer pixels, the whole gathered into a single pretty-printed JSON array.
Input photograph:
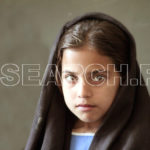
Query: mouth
[{"x": 85, "y": 107}]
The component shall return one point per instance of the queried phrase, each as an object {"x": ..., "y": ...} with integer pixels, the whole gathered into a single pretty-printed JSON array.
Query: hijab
[{"x": 126, "y": 125}]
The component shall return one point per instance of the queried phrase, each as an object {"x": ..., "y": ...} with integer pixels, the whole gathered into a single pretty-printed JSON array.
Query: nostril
[
  {"x": 84, "y": 92},
  {"x": 84, "y": 96}
]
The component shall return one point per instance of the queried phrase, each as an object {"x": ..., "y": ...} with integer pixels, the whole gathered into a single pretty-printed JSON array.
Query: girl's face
[{"x": 89, "y": 85}]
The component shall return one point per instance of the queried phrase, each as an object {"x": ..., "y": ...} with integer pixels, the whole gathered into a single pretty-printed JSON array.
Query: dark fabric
[{"x": 126, "y": 124}]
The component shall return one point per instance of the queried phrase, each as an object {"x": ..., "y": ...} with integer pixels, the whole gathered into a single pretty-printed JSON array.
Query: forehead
[{"x": 78, "y": 59}]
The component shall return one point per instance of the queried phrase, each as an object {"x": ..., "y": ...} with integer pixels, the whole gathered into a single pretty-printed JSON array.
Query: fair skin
[{"x": 88, "y": 98}]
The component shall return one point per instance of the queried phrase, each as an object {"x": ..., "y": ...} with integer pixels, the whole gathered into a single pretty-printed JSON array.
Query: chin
[{"x": 88, "y": 120}]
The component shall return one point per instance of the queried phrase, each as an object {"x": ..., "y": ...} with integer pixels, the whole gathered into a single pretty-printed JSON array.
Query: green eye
[
  {"x": 97, "y": 78},
  {"x": 70, "y": 78}
]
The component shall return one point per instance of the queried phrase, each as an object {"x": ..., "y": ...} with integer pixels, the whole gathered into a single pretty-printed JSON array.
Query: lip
[{"x": 85, "y": 107}]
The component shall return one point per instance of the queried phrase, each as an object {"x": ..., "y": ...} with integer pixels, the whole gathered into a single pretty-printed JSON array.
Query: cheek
[
  {"x": 105, "y": 97},
  {"x": 69, "y": 94},
  {"x": 110, "y": 90}
]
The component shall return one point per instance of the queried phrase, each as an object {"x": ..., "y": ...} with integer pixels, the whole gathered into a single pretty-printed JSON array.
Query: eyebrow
[{"x": 71, "y": 72}]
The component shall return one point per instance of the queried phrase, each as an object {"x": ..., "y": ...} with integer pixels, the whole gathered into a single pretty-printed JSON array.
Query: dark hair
[{"x": 104, "y": 36}]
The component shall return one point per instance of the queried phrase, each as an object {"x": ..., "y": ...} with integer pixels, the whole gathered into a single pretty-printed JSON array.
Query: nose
[{"x": 84, "y": 89}]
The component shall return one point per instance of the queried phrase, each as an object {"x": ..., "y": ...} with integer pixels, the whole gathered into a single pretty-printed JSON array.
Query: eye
[
  {"x": 97, "y": 78},
  {"x": 70, "y": 78}
]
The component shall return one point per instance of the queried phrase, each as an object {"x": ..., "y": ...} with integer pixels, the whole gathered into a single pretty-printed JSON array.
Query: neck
[{"x": 84, "y": 127}]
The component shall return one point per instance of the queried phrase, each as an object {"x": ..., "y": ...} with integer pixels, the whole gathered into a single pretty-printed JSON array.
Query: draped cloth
[{"x": 126, "y": 125}]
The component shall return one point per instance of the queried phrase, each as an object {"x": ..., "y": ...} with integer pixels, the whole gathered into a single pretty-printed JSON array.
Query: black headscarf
[{"x": 126, "y": 125}]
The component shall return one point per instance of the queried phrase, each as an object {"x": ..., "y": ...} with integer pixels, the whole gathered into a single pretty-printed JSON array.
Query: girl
[{"x": 93, "y": 95}]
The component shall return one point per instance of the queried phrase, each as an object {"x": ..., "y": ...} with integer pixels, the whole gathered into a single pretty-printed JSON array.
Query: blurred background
[{"x": 27, "y": 30}]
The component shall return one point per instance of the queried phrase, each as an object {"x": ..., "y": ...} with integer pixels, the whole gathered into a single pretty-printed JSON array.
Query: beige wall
[{"x": 27, "y": 30}]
